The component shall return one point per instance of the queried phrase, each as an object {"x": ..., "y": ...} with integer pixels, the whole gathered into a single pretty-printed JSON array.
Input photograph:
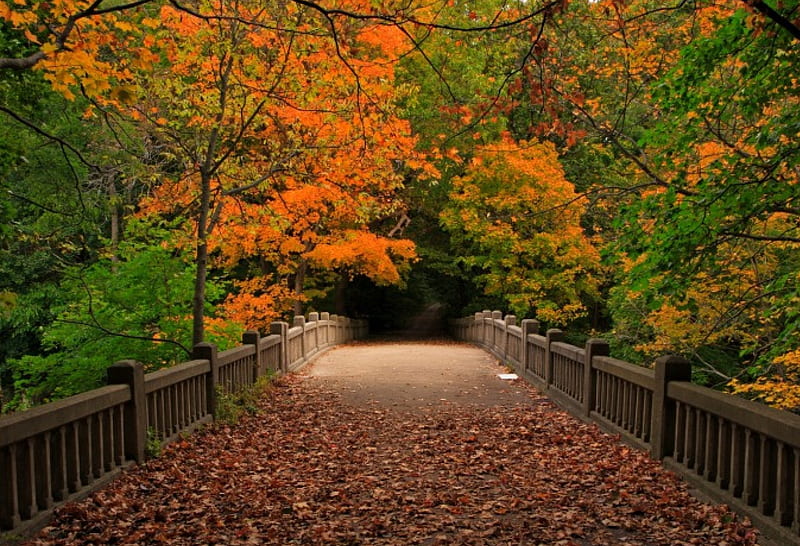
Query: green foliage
[
  {"x": 232, "y": 406},
  {"x": 153, "y": 445},
  {"x": 131, "y": 305},
  {"x": 727, "y": 228}
]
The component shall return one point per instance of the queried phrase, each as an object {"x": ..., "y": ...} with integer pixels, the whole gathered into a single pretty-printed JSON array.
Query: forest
[{"x": 178, "y": 171}]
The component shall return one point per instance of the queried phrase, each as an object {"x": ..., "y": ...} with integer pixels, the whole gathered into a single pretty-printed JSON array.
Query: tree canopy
[{"x": 180, "y": 171}]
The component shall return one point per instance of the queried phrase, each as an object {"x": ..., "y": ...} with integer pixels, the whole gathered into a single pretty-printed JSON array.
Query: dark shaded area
[
  {"x": 430, "y": 323},
  {"x": 418, "y": 310}
]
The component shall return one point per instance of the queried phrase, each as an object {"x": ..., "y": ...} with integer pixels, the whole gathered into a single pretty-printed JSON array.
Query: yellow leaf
[
  {"x": 20, "y": 19},
  {"x": 124, "y": 93},
  {"x": 124, "y": 26}
]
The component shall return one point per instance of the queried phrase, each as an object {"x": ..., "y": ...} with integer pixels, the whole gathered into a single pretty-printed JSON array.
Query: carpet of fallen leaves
[{"x": 311, "y": 470}]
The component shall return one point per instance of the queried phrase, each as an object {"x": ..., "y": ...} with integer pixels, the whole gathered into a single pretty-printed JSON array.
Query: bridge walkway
[{"x": 399, "y": 443}]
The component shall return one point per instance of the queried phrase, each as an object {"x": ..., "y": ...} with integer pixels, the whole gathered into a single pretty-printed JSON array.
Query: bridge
[{"x": 403, "y": 443}]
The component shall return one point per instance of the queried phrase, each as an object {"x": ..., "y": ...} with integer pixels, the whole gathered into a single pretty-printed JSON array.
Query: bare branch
[{"x": 41, "y": 132}]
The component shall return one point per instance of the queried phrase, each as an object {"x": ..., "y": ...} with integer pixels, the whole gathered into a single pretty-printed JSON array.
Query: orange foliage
[
  {"x": 311, "y": 151},
  {"x": 359, "y": 251},
  {"x": 257, "y": 303}
]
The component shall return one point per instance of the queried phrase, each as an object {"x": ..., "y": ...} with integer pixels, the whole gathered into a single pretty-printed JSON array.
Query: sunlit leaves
[{"x": 519, "y": 221}]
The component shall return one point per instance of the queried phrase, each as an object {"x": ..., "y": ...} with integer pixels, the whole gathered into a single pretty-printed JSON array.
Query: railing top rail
[
  {"x": 538, "y": 339},
  {"x": 644, "y": 377},
  {"x": 269, "y": 341},
  {"x": 294, "y": 331},
  {"x": 231, "y": 355},
  {"x": 29, "y": 423},
  {"x": 570, "y": 351},
  {"x": 165, "y": 377},
  {"x": 780, "y": 425}
]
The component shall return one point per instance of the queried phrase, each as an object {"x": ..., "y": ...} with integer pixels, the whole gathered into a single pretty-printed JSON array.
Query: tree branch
[
  {"x": 776, "y": 17},
  {"x": 41, "y": 132}
]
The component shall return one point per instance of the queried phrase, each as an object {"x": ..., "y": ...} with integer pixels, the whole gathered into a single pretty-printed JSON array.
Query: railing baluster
[
  {"x": 626, "y": 405},
  {"x": 188, "y": 418},
  {"x": 119, "y": 435},
  {"x": 163, "y": 423},
  {"x": 783, "y": 483},
  {"x": 98, "y": 442},
  {"x": 723, "y": 453},
  {"x": 700, "y": 441},
  {"x": 679, "y": 451},
  {"x": 691, "y": 422},
  {"x": 738, "y": 449},
  {"x": 766, "y": 477},
  {"x": 751, "y": 467},
  {"x": 74, "y": 456},
  {"x": 85, "y": 450},
  {"x": 9, "y": 488},
  {"x": 43, "y": 472},
  {"x": 59, "y": 455},
  {"x": 26, "y": 467},
  {"x": 710, "y": 449},
  {"x": 108, "y": 445}
]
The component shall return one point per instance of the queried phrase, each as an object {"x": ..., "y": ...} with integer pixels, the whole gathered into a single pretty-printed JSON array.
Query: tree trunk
[
  {"x": 340, "y": 296},
  {"x": 299, "y": 280},
  {"x": 115, "y": 219},
  {"x": 201, "y": 262}
]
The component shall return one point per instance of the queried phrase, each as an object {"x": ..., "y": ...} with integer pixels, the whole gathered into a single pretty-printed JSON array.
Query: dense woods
[{"x": 174, "y": 172}]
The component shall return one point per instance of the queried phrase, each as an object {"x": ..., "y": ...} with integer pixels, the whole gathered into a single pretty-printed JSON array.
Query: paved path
[
  {"x": 415, "y": 375},
  {"x": 398, "y": 444}
]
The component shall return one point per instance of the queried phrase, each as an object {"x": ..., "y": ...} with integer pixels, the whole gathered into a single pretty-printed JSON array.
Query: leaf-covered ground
[{"x": 312, "y": 470}]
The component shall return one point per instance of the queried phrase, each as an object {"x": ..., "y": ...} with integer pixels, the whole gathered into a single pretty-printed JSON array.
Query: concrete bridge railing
[
  {"x": 738, "y": 452},
  {"x": 64, "y": 450}
]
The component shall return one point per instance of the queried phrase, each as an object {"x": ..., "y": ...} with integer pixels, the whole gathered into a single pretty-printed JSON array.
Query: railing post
[
  {"x": 594, "y": 347},
  {"x": 251, "y": 337},
  {"x": 345, "y": 329},
  {"x": 281, "y": 329},
  {"x": 529, "y": 326},
  {"x": 300, "y": 321},
  {"x": 553, "y": 335},
  {"x": 510, "y": 320},
  {"x": 475, "y": 329},
  {"x": 496, "y": 315},
  {"x": 662, "y": 433},
  {"x": 325, "y": 318},
  {"x": 208, "y": 351},
  {"x": 333, "y": 328},
  {"x": 314, "y": 317},
  {"x": 131, "y": 373}
]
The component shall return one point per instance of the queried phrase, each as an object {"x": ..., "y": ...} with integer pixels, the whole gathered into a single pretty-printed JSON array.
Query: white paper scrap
[{"x": 508, "y": 376}]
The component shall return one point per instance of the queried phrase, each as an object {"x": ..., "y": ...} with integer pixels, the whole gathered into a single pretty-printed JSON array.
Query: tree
[
  {"x": 283, "y": 150},
  {"x": 136, "y": 306},
  {"x": 518, "y": 222},
  {"x": 696, "y": 104}
]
